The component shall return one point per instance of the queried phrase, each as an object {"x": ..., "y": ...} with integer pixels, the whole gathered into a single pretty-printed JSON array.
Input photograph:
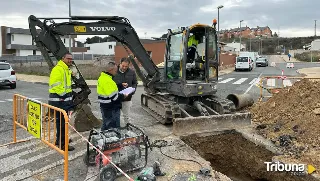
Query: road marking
[
  {"x": 28, "y": 168},
  {"x": 254, "y": 81},
  {"x": 271, "y": 82},
  {"x": 10, "y": 100},
  {"x": 249, "y": 88},
  {"x": 240, "y": 81},
  {"x": 287, "y": 83},
  {"x": 219, "y": 78},
  {"x": 2, "y": 101},
  {"x": 227, "y": 80}
]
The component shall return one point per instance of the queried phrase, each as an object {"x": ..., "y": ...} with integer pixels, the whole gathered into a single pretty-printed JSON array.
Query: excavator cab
[{"x": 191, "y": 54}]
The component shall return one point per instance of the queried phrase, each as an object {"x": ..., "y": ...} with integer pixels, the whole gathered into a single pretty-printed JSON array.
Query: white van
[{"x": 244, "y": 63}]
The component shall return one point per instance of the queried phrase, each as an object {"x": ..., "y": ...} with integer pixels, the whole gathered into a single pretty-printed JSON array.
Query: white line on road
[
  {"x": 249, "y": 88},
  {"x": 240, "y": 81},
  {"x": 2, "y": 101},
  {"x": 9, "y": 100},
  {"x": 255, "y": 80},
  {"x": 219, "y": 78},
  {"x": 227, "y": 80}
]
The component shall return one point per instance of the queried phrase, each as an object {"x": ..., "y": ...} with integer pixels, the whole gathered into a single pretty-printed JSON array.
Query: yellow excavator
[{"x": 182, "y": 93}]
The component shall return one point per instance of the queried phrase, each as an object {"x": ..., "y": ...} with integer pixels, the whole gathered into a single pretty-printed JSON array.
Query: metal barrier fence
[
  {"x": 39, "y": 119},
  {"x": 273, "y": 84}
]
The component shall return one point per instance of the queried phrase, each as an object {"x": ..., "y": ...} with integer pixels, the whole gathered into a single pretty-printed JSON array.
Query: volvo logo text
[{"x": 103, "y": 28}]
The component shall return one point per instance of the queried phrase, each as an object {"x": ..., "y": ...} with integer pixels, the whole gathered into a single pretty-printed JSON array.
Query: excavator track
[
  {"x": 165, "y": 110},
  {"x": 160, "y": 108},
  {"x": 222, "y": 106}
]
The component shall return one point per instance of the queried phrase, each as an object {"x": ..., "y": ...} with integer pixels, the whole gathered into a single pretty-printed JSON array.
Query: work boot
[{"x": 70, "y": 148}]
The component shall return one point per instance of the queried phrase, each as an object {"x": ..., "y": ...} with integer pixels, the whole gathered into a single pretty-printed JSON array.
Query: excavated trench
[{"x": 239, "y": 155}]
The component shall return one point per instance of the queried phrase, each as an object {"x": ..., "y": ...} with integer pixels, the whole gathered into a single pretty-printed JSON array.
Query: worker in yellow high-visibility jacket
[
  {"x": 60, "y": 95},
  {"x": 109, "y": 97}
]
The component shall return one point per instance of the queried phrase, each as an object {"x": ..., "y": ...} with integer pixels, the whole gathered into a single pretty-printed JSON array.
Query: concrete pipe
[{"x": 241, "y": 100}]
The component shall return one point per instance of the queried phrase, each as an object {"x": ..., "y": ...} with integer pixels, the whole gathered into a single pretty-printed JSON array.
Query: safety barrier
[
  {"x": 273, "y": 84},
  {"x": 39, "y": 119}
]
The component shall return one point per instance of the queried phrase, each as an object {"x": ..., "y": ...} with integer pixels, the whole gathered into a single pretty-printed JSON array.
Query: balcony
[{"x": 21, "y": 47}]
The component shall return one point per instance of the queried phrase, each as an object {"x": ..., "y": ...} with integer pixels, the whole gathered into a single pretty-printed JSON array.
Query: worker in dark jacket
[
  {"x": 125, "y": 78},
  {"x": 109, "y": 97}
]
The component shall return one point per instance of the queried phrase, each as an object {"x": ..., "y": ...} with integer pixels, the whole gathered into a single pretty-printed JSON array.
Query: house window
[
  {"x": 34, "y": 52},
  {"x": 12, "y": 37},
  {"x": 64, "y": 40},
  {"x": 150, "y": 53},
  {"x": 110, "y": 46}
]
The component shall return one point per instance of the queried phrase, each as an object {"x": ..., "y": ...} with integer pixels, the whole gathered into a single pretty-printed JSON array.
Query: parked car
[
  {"x": 262, "y": 62},
  {"x": 7, "y": 75},
  {"x": 244, "y": 63}
]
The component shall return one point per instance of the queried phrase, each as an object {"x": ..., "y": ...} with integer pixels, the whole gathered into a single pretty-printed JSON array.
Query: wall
[
  {"x": 21, "y": 39},
  {"x": 105, "y": 48},
  {"x": 66, "y": 41},
  {"x": 24, "y": 52},
  {"x": 227, "y": 59},
  {"x": 157, "y": 49}
]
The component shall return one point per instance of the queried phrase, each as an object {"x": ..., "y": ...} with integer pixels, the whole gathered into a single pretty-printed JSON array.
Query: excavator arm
[{"x": 47, "y": 34}]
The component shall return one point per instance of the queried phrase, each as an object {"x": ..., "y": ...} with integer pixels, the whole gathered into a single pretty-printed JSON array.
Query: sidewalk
[
  {"x": 36, "y": 79},
  {"x": 312, "y": 72},
  {"x": 286, "y": 59}
]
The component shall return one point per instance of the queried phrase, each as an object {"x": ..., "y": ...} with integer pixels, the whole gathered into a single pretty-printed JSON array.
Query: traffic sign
[{"x": 34, "y": 122}]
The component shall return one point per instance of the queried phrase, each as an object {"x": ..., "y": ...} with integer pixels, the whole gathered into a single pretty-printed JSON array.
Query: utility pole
[
  {"x": 219, "y": 7},
  {"x": 240, "y": 36},
  {"x": 315, "y": 28},
  {"x": 70, "y": 51}
]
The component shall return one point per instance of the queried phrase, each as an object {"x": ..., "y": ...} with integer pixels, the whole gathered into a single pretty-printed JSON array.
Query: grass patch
[{"x": 306, "y": 56}]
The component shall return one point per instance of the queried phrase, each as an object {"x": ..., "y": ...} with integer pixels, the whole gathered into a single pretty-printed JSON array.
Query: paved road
[{"x": 33, "y": 157}]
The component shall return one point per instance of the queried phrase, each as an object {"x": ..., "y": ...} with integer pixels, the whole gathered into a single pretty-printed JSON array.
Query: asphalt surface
[{"x": 33, "y": 158}]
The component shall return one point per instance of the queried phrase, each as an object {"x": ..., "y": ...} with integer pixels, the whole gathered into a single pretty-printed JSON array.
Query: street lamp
[
  {"x": 240, "y": 35},
  {"x": 219, "y": 7},
  {"x": 70, "y": 21}
]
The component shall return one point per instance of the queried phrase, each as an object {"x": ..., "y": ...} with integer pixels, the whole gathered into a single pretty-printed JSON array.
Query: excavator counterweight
[{"x": 184, "y": 95}]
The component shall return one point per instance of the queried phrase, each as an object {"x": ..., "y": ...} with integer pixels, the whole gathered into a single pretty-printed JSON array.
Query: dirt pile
[{"x": 291, "y": 119}]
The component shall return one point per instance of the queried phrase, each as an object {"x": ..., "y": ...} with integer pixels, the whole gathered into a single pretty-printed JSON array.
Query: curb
[{"x": 95, "y": 86}]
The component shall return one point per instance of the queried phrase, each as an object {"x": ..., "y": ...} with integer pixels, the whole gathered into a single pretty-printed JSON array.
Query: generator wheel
[
  {"x": 108, "y": 173},
  {"x": 91, "y": 159}
]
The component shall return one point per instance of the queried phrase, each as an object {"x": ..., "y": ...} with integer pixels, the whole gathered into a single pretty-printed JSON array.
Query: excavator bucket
[
  {"x": 83, "y": 119},
  {"x": 191, "y": 125}
]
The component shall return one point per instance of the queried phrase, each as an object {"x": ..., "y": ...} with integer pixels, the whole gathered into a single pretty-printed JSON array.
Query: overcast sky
[{"x": 291, "y": 17}]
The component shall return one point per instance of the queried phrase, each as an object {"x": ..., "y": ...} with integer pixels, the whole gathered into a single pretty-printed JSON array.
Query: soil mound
[{"x": 291, "y": 119}]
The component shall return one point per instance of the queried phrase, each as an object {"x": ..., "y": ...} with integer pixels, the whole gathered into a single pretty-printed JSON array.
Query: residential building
[
  {"x": 104, "y": 48},
  {"x": 155, "y": 48},
  {"x": 236, "y": 46},
  {"x": 18, "y": 42},
  {"x": 246, "y": 32}
]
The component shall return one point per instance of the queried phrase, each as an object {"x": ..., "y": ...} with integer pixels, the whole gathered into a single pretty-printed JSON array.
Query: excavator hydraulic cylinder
[{"x": 241, "y": 100}]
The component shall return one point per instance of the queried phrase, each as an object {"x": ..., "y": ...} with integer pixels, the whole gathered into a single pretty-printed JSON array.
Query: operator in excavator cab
[{"x": 192, "y": 48}]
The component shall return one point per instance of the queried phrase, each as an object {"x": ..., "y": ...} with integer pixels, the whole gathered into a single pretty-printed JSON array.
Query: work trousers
[
  {"x": 126, "y": 105},
  {"x": 110, "y": 118},
  {"x": 65, "y": 106}
]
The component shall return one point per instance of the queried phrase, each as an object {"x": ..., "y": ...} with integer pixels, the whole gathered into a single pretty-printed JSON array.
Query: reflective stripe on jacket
[
  {"x": 60, "y": 83},
  {"x": 107, "y": 90}
]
